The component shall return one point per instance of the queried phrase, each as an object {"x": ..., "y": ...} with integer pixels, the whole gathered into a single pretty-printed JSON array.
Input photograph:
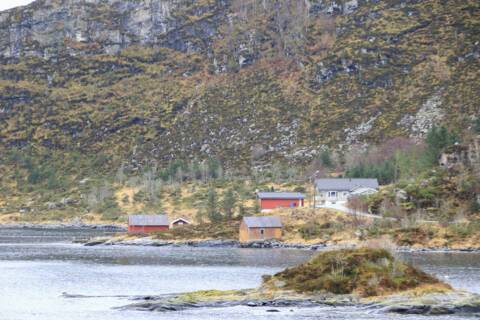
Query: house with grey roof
[
  {"x": 338, "y": 190},
  {"x": 260, "y": 228},
  {"x": 273, "y": 200}
]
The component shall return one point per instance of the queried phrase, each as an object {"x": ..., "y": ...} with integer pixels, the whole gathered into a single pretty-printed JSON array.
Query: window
[
  {"x": 262, "y": 231},
  {"x": 332, "y": 194}
]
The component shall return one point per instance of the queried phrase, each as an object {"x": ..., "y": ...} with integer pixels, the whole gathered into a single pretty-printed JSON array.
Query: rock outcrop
[
  {"x": 47, "y": 28},
  {"x": 338, "y": 278}
]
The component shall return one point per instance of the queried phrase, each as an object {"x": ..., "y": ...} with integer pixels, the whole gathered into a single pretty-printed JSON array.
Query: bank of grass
[
  {"x": 465, "y": 234},
  {"x": 215, "y": 295},
  {"x": 220, "y": 230},
  {"x": 335, "y": 228},
  {"x": 365, "y": 271}
]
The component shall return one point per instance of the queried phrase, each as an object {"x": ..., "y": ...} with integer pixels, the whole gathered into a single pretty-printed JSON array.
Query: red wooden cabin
[
  {"x": 147, "y": 223},
  {"x": 273, "y": 200}
]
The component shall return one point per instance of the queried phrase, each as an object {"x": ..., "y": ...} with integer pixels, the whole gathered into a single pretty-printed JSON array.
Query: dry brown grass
[{"x": 131, "y": 206}]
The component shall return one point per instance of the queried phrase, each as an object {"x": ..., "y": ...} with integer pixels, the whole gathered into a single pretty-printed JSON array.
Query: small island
[{"x": 364, "y": 277}]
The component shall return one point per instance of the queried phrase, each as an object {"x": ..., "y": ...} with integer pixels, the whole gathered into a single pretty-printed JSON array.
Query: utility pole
[{"x": 312, "y": 179}]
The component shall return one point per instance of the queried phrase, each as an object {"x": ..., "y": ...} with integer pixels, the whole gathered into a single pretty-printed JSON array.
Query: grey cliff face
[
  {"x": 46, "y": 28},
  {"x": 97, "y": 26}
]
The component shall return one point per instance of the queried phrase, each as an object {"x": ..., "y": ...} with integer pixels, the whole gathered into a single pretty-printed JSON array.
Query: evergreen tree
[
  {"x": 256, "y": 207},
  {"x": 176, "y": 195},
  {"x": 384, "y": 172},
  {"x": 195, "y": 170},
  {"x": 213, "y": 167},
  {"x": 228, "y": 203},
  {"x": 476, "y": 127},
  {"x": 326, "y": 159},
  {"x": 437, "y": 139},
  {"x": 212, "y": 209},
  {"x": 199, "y": 216},
  {"x": 241, "y": 210}
]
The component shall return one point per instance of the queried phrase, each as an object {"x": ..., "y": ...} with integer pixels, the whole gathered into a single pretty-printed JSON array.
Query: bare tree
[
  {"x": 151, "y": 186},
  {"x": 120, "y": 176},
  {"x": 98, "y": 195}
]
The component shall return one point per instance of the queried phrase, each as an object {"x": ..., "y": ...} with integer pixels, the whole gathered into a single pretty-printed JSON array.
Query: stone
[
  {"x": 95, "y": 242},
  {"x": 51, "y": 205}
]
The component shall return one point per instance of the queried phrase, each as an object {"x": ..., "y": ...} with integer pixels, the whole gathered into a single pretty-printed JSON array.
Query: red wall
[
  {"x": 147, "y": 228},
  {"x": 280, "y": 203}
]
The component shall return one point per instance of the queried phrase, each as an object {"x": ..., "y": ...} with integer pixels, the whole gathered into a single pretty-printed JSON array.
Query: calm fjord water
[{"x": 37, "y": 266}]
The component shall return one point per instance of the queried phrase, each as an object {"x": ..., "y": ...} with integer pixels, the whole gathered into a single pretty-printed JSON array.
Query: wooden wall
[{"x": 251, "y": 234}]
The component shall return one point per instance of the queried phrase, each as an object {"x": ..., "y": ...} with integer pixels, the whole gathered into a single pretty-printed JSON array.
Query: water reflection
[
  {"x": 35, "y": 273},
  {"x": 461, "y": 270}
]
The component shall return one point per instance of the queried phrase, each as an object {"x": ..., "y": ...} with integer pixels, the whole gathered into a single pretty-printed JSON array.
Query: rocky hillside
[{"x": 243, "y": 81}]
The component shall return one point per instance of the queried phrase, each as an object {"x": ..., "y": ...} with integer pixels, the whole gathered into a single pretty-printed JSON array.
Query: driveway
[{"x": 341, "y": 207}]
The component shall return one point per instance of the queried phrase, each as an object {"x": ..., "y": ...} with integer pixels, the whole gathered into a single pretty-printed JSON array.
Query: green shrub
[
  {"x": 464, "y": 230},
  {"x": 313, "y": 229}
]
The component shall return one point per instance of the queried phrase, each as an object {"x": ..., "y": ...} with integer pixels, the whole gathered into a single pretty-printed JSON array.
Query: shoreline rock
[
  {"x": 266, "y": 244},
  {"x": 455, "y": 302},
  {"x": 210, "y": 243},
  {"x": 64, "y": 226}
]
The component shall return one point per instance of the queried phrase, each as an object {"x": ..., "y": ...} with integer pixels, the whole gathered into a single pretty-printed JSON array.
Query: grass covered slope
[
  {"x": 366, "y": 74},
  {"x": 366, "y": 272}
]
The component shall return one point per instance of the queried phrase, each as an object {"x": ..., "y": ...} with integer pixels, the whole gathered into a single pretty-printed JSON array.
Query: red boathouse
[
  {"x": 274, "y": 200},
  {"x": 141, "y": 223}
]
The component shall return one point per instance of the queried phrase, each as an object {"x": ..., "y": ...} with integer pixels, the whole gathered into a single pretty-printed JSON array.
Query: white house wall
[{"x": 323, "y": 198}]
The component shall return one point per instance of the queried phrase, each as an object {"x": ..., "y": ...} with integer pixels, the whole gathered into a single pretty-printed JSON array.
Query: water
[{"x": 37, "y": 266}]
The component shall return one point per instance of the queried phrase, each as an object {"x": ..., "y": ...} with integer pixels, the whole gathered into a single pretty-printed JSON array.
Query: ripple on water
[{"x": 34, "y": 276}]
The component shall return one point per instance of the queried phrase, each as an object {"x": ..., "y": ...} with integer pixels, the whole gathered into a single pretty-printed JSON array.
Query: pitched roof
[
  {"x": 345, "y": 184},
  {"x": 280, "y": 195},
  {"x": 148, "y": 220},
  {"x": 180, "y": 219},
  {"x": 263, "y": 222}
]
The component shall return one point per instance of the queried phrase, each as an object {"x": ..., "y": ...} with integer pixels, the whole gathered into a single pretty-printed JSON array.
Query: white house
[{"x": 338, "y": 190}]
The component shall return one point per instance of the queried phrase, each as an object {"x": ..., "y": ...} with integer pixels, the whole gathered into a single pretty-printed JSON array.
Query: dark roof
[
  {"x": 263, "y": 222},
  {"x": 345, "y": 184},
  {"x": 180, "y": 219},
  {"x": 280, "y": 195},
  {"x": 148, "y": 220}
]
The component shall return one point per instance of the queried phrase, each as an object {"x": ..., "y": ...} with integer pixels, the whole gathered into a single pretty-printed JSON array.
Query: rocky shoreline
[
  {"x": 149, "y": 242},
  {"x": 454, "y": 302},
  {"x": 64, "y": 226},
  {"x": 266, "y": 244},
  {"x": 208, "y": 243}
]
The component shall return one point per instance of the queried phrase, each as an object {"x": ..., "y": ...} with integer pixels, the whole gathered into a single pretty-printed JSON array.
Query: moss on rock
[{"x": 366, "y": 272}]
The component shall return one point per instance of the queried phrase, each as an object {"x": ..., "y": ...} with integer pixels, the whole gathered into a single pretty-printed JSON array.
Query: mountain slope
[{"x": 244, "y": 81}]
